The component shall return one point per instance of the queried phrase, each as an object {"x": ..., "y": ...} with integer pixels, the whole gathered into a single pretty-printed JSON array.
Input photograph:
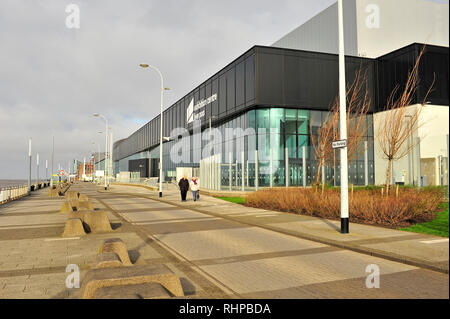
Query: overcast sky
[{"x": 52, "y": 79}]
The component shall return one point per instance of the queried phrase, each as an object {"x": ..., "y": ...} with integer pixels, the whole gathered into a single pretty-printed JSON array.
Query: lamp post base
[{"x": 344, "y": 225}]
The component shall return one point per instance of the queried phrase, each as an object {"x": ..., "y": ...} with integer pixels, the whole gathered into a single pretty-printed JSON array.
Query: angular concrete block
[
  {"x": 79, "y": 214},
  {"x": 143, "y": 291},
  {"x": 73, "y": 228},
  {"x": 97, "y": 222},
  {"x": 85, "y": 205},
  {"x": 117, "y": 246},
  {"x": 66, "y": 207},
  {"x": 71, "y": 195},
  {"x": 108, "y": 260},
  {"x": 53, "y": 193},
  {"x": 96, "y": 279}
]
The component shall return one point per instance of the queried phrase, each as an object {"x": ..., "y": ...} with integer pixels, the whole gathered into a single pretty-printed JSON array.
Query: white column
[
  {"x": 343, "y": 123},
  {"x": 419, "y": 172},
  {"x": 243, "y": 171},
  {"x": 286, "y": 168},
  {"x": 37, "y": 169},
  {"x": 111, "y": 144},
  {"x": 366, "y": 164},
  {"x": 271, "y": 167},
  {"x": 230, "y": 173},
  {"x": 256, "y": 171},
  {"x": 247, "y": 172},
  {"x": 29, "y": 168},
  {"x": 304, "y": 165},
  {"x": 236, "y": 170}
]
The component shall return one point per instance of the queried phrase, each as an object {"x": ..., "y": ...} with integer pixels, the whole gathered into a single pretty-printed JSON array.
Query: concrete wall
[
  {"x": 401, "y": 22},
  {"x": 433, "y": 130},
  {"x": 373, "y": 27},
  {"x": 320, "y": 33}
]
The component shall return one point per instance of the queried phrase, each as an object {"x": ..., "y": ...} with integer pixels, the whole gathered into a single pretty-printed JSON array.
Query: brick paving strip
[
  {"x": 405, "y": 247},
  {"x": 216, "y": 254}
]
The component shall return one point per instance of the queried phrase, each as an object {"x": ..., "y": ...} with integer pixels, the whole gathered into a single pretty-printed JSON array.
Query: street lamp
[
  {"x": 106, "y": 146},
  {"x": 343, "y": 124},
  {"x": 143, "y": 65}
]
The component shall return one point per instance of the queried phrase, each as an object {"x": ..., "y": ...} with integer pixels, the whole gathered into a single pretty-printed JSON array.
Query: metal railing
[{"x": 8, "y": 194}]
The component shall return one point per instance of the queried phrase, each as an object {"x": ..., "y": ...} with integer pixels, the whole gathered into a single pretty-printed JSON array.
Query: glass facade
[{"x": 273, "y": 132}]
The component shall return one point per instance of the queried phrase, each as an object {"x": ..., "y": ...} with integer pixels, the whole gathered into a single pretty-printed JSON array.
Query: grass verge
[
  {"x": 437, "y": 227},
  {"x": 236, "y": 200}
]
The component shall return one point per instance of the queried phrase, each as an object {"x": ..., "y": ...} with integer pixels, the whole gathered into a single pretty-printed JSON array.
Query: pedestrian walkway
[
  {"x": 420, "y": 250},
  {"x": 217, "y": 249}
]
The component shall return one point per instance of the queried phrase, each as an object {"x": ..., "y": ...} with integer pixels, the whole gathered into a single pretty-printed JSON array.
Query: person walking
[
  {"x": 195, "y": 186},
  {"x": 184, "y": 187}
]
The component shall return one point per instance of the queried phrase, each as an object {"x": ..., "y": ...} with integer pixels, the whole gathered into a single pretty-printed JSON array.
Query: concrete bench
[
  {"x": 118, "y": 247},
  {"x": 96, "y": 279},
  {"x": 97, "y": 222},
  {"x": 53, "y": 193},
  {"x": 71, "y": 195},
  {"x": 66, "y": 207},
  {"x": 108, "y": 260},
  {"x": 143, "y": 291},
  {"x": 73, "y": 228}
]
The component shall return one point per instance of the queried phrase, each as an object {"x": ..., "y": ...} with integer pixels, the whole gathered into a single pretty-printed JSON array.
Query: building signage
[
  {"x": 340, "y": 144},
  {"x": 197, "y": 111}
]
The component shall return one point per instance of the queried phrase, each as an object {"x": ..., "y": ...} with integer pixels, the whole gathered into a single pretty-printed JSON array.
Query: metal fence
[{"x": 12, "y": 193}]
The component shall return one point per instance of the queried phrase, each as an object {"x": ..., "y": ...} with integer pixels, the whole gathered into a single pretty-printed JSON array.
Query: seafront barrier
[
  {"x": 11, "y": 193},
  {"x": 8, "y": 194}
]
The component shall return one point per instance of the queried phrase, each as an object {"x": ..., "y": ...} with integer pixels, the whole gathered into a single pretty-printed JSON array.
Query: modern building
[
  {"x": 274, "y": 99},
  {"x": 373, "y": 27}
]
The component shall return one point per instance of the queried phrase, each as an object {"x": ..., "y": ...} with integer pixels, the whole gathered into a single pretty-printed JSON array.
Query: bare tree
[
  {"x": 393, "y": 136},
  {"x": 358, "y": 105}
]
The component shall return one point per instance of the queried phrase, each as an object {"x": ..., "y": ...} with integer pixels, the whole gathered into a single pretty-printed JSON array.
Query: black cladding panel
[
  {"x": 301, "y": 79},
  {"x": 139, "y": 166}
]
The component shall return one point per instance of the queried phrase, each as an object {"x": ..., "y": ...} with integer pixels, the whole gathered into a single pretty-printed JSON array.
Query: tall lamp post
[
  {"x": 29, "y": 167},
  {"x": 106, "y": 146},
  {"x": 343, "y": 124},
  {"x": 143, "y": 65}
]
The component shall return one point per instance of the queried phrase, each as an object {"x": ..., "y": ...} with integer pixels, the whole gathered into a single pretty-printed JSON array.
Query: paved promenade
[{"x": 218, "y": 249}]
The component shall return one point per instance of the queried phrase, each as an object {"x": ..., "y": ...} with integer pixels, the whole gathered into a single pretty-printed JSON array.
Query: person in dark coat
[{"x": 184, "y": 187}]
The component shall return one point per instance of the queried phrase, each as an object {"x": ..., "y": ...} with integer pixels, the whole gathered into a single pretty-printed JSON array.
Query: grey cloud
[{"x": 52, "y": 79}]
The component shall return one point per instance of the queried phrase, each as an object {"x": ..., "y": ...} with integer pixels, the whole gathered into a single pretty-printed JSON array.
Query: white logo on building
[
  {"x": 190, "y": 112},
  {"x": 195, "y": 112}
]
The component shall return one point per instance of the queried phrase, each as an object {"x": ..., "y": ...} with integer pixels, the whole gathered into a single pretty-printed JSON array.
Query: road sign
[
  {"x": 340, "y": 144},
  {"x": 62, "y": 173}
]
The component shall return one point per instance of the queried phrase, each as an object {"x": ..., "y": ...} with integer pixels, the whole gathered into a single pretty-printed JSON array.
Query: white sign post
[
  {"x": 339, "y": 144},
  {"x": 343, "y": 124}
]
